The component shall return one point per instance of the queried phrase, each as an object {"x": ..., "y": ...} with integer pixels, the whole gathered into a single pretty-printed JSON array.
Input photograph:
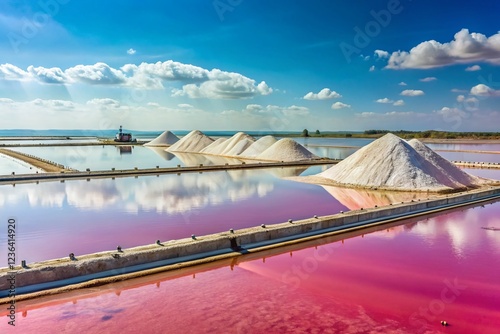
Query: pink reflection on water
[
  {"x": 82, "y": 217},
  {"x": 355, "y": 199},
  {"x": 403, "y": 279},
  {"x": 471, "y": 157}
]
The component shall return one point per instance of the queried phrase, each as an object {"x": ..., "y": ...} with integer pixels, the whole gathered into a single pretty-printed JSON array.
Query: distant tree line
[{"x": 435, "y": 134}]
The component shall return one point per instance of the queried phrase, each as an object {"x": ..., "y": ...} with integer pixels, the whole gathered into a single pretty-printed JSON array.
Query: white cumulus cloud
[
  {"x": 412, "y": 92},
  {"x": 324, "y": 94},
  {"x": 230, "y": 86},
  {"x": 168, "y": 70},
  {"x": 428, "y": 79},
  {"x": 384, "y": 100},
  {"x": 399, "y": 103},
  {"x": 372, "y": 68},
  {"x": 196, "y": 82},
  {"x": 131, "y": 51},
  {"x": 340, "y": 105},
  {"x": 48, "y": 75},
  {"x": 382, "y": 54},
  {"x": 452, "y": 113},
  {"x": 483, "y": 90},
  {"x": 57, "y": 104},
  {"x": 104, "y": 102},
  {"x": 473, "y": 68},
  {"x": 402, "y": 83},
  {"x": 12, "y": 72},
  {"x": 464, "y": 48},
  {"x": 97, "y": 74}
]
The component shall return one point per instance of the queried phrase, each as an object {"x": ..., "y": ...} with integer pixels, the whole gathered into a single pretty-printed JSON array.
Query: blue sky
[{"x": 250, "y": 65}]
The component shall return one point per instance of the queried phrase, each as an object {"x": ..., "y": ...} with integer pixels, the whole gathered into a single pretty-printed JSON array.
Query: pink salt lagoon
[
  {"x": 82, "y": 217},
  {"x": 400, "y": 279}
]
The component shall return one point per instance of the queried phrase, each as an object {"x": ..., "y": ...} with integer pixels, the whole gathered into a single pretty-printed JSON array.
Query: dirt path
[{"x": 45, "y": 165}]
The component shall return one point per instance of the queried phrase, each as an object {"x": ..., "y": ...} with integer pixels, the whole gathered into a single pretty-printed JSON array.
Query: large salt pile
[
  {"x": 194, "y": 141},
  {"x": 259, "y": 146},
  {"x": 286, "y": 149},
  {"x": 214, "y": 147},
  {"x": 234, "y": 145},
  {"x": 167, "y": 138},
  {"x": 446, "y": 168},
  {"x": 242, "y": 145},
  {"x": 391, "y": 163}
]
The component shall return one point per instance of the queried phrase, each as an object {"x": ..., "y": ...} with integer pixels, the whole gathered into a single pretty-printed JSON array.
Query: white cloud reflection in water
[{"x": 170, "y": 193}]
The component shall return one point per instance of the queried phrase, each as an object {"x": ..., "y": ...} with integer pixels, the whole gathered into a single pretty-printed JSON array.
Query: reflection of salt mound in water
[
  {"x": 167, "y": 138},
  {"x": 162, "y": 153},
  {"x": 259, "y": 146},
  {"x": 355, "y": 199},
  {"x": 446, "y": 168},
  {"x": 391, "y": 163},
  {"x": 286, "y": 149},
  {"x": 214, "y": 147},
  {"x": 194, "y": 141},
  {"x": 190, "y": 159},
  {"x": 287, "y": 171}
]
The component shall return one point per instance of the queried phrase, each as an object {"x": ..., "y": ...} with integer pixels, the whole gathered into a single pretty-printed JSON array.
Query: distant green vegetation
[
  {"x": 433, "y": 134},
  {"x": 430, "y": 134}
]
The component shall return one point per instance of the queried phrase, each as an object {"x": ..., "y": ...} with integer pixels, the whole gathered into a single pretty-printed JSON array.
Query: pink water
[
  {"x": 403, "y": 279},
  {"x": 80, "y": 217}
]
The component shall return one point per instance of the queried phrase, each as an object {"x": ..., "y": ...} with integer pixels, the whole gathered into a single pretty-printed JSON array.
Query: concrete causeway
[{"x": 65, "y": 174}]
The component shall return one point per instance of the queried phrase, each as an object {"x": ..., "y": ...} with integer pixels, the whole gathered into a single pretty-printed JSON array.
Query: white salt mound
[
  {"x": 194, "y": 141},
  {"x": 391, "y": 163},
  {"x": 286, "y": 149},
  {"x": 266, "y": 148},
  {"x": 259, "y": 146},
  {"x": 214, "y": 147},
  {"x": 227, "y": 147},
  {"x": 446, "y": 168},
  {"x": 240, "y": 146},
  {"x": 165, "y": 139}
]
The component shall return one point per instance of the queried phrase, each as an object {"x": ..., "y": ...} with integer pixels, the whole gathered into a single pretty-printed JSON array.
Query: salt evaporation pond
[
  {"x": 55, "y": 219},
  {"x": 493, "y": 173},
  {"x": 106, "y": 157},
  {"x": 465, "y": 147},
  {"x": 400, "y": 279},
  {"x": 127, "y": 157},
  {"x": 71, "y": 141},
  {"x": 469, "y": 156},
  {"x": 9, "y": 165}
]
